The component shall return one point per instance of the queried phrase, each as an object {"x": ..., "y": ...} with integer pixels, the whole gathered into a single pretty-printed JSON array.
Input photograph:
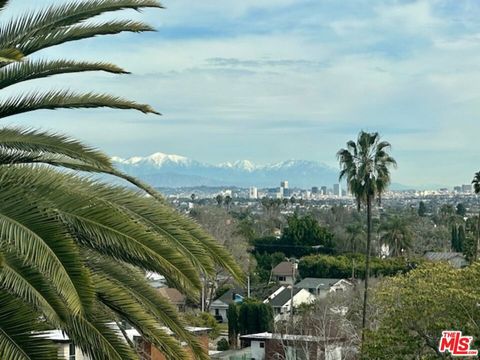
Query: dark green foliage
[
  {"x": 265, "y": 263},
  {"x": 454, "y": 238},
  {"x": 302, "y": 236},
  {"x": 232, "y": 316},
  {"x": 461, "y": 210},
  {"x": 325, "y": 266},
  {"x": 255, "y": 317},
  {"x": 461, "y": 238},
  {"x": 422, "y": 209},
  {"x": 223, "y": 345}
]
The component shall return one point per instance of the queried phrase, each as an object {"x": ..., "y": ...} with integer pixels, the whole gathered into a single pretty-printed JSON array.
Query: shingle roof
[
  {"x": 283, "y": 269},
  {"x": 317, "y": 283},
  {"x": 175, "y": 296},
  {"x": 283, "y": 297},
  {"x": 228, "y": 297}
]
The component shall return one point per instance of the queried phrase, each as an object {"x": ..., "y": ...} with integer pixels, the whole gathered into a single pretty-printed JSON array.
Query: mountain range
[
  {"x": 166, "y": 170},
  {"x": 175, "y": 171}
]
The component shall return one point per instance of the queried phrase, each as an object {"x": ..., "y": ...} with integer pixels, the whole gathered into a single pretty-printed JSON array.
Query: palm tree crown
[
  {"x": 365, "y": 165},
  {"x": 74, "y": 250}
]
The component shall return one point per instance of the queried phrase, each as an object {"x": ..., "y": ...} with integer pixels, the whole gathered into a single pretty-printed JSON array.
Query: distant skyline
[{"x": 271, "y": 80}]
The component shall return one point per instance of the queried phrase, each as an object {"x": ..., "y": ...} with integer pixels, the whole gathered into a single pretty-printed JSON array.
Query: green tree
[
  {"x": 219, "y": 200},
  {"x": 454, "y": 238},
  {"x": 412, "y": 310},
  {"x": 233, "y": 331},
  {"x": 74, "y": 251},
  {"x": 396, "y": 233},
  {"x": 461, "y": 210},
  {"x": 476, "y": 189},
  {"x": 365, "y": 165},
  {"x": 227, "y": 201},
  {"x": 461, "y": 239},
  {"x": 254, "y": 317},
  {"x": 422, "y": 209}
]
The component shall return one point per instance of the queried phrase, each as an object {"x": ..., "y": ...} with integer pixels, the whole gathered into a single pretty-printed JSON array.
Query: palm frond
[
  {"x": 80, "y": 32},
  {"x": 114, "y": 296},
  {"x": 29, "y": 285},
  {"x": 37, "y": 69},
  {"x": 18, "y": 144},
  {"x": 63, "y": 99},
  {"x": 130, "y": 283},
  {"x": 10, "y": 55},
  {"x": 18, "y": 324},
  {"x": 23, "y": 28},
  {"x": 40, "y": 239}
]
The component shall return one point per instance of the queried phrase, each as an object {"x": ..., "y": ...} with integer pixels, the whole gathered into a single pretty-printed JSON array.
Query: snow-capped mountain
[{"x": 164, "y": 170}]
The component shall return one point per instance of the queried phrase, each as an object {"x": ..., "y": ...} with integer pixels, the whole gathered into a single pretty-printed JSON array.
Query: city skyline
[{"x": 276, "y": 80}]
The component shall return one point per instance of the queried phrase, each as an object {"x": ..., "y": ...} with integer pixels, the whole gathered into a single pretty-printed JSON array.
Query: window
[
  {"x": 282, "y": 278},
  {"x": 262, "y": 345},
  {"x": 217, "y": 312},
  {"x": 71, "y": 352}
]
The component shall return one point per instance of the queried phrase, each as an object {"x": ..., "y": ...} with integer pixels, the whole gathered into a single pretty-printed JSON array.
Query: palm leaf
[
  {"x": 37, "y": 69},
  {"x": 17, "y": 340},
  {"x": 63, "y": 99},
  {"x": 25, "y": 27}
]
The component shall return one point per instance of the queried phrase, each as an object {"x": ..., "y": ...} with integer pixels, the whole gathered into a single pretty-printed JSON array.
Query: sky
[{"x": 271, "y": 80}]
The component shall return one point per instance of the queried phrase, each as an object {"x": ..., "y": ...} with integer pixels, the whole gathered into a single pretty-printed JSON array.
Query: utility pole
[{"x": 293, "y": 262}]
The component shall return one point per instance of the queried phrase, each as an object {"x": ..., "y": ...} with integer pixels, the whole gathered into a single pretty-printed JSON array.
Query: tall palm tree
[
  {"x": 476, "y": 189},
  {"x": 365, "y": 165},
  {"x": 73, "y": 250},
  {"x": 396, "y": 233}
]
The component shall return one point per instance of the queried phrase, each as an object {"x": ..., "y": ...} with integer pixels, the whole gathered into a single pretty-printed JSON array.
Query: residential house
[
  {"x": 322, "y": 286},
  {"x": 174, "y": 296},
  {"x": 280, "y": 300},
  {"x": 283, "y": 273},
  {"x": 268, "y": 346},
  {"x": 457, "y": 260},
  {"x": 68, "y": 351},
  {"x": 219, "y": 306}
]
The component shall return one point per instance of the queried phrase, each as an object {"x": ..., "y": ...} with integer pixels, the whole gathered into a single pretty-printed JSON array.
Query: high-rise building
[
  {"x": 337, "y": 190},
  {"x": 324, "y": 190},
  {"x": 467, "y": 188},
  {"x": 314, "y": 189},
  {"x": 284, "y": 190},
  {"x": 253, "y": 193}
]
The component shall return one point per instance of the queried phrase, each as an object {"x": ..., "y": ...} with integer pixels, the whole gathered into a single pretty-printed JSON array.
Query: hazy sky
[{"x": 271, "y": 80}]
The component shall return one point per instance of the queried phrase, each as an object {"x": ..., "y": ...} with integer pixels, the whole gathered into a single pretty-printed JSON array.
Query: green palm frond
[
  {"x": 23, "y": 28},
  {"x": 114, "y": 296},
  {"x": 80, "y": 32},
  {"x": 18, "y": 324},
  {"x": 63, "y": 99},
  {"x": 41, "y": 241},
  {"x": 10, "y": 55},
  {"x": 37, "y": 69},
  {"x": 97, "y": 338},
  {"x": 39, "y": 144},
  {"x": 26, "y": 283},
  {"x": 130, "y": 283}
]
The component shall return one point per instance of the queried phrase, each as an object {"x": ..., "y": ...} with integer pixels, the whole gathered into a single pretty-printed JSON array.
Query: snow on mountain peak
[
  {"x": 246, "y": 165},
  {"x": 157, "y": 159}
]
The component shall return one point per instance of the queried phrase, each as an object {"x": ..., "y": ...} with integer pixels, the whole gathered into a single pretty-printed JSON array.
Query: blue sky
[{"x": 270, "y": 80}]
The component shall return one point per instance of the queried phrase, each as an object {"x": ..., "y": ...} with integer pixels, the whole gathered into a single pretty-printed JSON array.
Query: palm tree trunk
[
  {"x": 476, "y": 257},
  {"x": 367, "y": 265}
]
